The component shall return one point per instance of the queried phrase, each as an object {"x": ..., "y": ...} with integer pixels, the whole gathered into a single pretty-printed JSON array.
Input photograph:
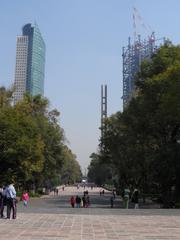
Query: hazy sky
[{"x": 84, "y": 40}]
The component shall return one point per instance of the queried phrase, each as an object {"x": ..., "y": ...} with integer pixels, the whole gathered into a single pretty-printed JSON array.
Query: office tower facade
[{"x": 30, "y": 63}]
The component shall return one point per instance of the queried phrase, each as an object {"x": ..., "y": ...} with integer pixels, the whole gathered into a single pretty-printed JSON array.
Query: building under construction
[{"x": 133, "y": 55}]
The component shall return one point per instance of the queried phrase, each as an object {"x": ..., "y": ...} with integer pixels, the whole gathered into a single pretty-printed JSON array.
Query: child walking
[{"x": 25, "y": 198}]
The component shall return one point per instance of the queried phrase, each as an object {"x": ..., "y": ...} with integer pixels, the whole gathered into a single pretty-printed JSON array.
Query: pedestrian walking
[
  {"x": 135, "y": 198},
  {"x": 84, "y": 201},
  {"x": 78, "y": 201},
  {"x": 114, "y": 193},
  {"x": 11, "y": 201},
  {"x": 3, "y": 201},
  {"x": 57, "y": 191},
  {"x": 82, "y": 204},
  {"x": 87, "y": 201},
  {"x": 25, "y": 198},
  {"x": 112, "y": 201},
  {"x": 72, "y": 201},
  {"x": 126, "y": 197}
]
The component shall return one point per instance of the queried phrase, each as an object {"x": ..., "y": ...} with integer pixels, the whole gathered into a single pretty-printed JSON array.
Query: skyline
[{"x": 84, "y": 41}]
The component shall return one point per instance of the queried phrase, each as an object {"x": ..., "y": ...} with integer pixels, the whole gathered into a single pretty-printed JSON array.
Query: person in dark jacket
[
  {"x": 135, "y": 198},
  {"x": 78, "y": 201},
  {"x": 112, "y": 201},
  {"x": 3, "y": 201},
  {"x": 84, "y": 201}
]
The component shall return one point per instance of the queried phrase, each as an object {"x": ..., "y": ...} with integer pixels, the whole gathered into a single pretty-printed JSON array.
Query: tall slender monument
[
  {"x": 103, "y": 114},
  {"x": 30, "y": 63}
]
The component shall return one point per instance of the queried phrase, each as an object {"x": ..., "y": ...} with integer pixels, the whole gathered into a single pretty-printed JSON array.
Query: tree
[
  {"x": 5, "y": 97},
  {"x": 21, "y": 146},
  {"x": 98, "y": 172},
  {"x": 71, "y": 171},
  {"x": 32, "y": 149},
  {"x": 142, "y": 142}
]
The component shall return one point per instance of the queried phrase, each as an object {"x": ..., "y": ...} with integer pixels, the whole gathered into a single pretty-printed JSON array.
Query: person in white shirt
[{"x": 11, "y": 201}]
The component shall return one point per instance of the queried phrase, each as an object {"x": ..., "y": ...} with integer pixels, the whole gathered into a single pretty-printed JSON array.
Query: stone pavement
[
  {"x": 88, "y": 227},
  {"x": 92, "y": 224}
]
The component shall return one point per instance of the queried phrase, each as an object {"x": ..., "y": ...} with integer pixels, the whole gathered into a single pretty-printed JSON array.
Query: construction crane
[{"x": 138, "y": 21}]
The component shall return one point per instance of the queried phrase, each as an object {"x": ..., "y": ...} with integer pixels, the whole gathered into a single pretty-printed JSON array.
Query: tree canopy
[{"x": 32, "y": 143}]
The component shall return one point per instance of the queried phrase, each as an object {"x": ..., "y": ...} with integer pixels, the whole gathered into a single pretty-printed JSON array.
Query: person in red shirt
[
  {"x": 72, "y": 201},
  {"x": 25, "y": 198}
]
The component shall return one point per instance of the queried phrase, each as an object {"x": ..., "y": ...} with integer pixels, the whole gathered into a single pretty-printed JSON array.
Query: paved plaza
[{"x": 52, "y": 218}]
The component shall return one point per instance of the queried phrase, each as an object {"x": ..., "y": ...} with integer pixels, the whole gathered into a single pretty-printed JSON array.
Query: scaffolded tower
[{"x": 133, "y": 55}]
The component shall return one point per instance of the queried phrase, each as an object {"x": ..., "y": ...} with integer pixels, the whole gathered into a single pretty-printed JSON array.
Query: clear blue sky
[{"x": 84, "y": 40}]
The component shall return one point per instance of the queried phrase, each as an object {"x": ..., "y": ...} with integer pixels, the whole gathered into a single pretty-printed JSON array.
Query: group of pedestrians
[
  {"x": 56, "y": 191},
  {"x": 8, "y": 198},
  {"x": 134, "y": 198},
  {"x": 101, "y": 192},
  {"x": 127, "y": 197},
  {"x": 80, "y": 202}
]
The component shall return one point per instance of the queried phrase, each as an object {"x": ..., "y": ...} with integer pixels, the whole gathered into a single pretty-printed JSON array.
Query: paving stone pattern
[
  {"x": 82, "y": 227},
  {"x": 90, "y": 224}
]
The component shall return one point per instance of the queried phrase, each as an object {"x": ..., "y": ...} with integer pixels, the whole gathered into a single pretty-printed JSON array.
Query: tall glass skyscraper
[{"x": 30, "y": 63}]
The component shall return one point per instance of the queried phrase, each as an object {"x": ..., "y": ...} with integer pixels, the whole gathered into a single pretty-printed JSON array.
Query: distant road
[
  {"x": 61, "y": 203},
  {"x": 99, "y": 205}
]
